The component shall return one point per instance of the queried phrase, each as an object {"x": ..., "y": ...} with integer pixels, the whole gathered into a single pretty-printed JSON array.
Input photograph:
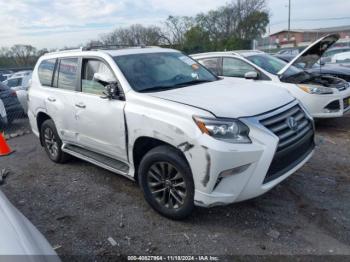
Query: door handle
[
  {"x": 51, "y": 99},
  {"x": 80, "y": 105}
]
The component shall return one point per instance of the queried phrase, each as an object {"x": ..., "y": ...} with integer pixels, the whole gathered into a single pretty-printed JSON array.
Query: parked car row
[
  {"x": 323, "y": 95},
  {"x": 12, "y": 105},
  {"x": 174, "y": 123},
  {"x": 206, "y": 130},
  {"x": 13, "y": 92}
]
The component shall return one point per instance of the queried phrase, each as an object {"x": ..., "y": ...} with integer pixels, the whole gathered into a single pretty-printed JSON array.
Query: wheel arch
[
  {"x": 143, "y": 145},
  {"x": 40, "y": 119}
]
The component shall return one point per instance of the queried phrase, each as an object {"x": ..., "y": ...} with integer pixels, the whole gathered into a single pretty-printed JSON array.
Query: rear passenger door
[
  {"x": 60, "y": 97},
  {"x": 100, "y": 121}
]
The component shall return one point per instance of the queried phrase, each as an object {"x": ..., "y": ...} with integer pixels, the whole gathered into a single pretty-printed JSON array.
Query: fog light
[
  {"x": 231, "y": 172},
  {"x": 234, "y": 171}
]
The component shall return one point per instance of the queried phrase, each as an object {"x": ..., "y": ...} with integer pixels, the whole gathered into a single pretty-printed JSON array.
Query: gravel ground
[{"x": 78, "y": 206}]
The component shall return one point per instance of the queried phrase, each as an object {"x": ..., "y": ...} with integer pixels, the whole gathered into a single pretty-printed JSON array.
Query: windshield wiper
[
  {"x": 179, "y": 85},
  {"x": 156, "y": 88},
  {"x": 193, "y": 82}
]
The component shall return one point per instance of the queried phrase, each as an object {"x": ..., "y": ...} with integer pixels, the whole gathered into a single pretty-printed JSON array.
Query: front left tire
[{"x": 167, "y": 183}]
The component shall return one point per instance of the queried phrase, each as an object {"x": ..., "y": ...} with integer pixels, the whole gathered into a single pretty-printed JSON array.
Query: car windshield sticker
[{"x": 187, "y": 60}]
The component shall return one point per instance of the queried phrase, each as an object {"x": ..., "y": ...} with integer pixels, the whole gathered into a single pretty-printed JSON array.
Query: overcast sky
[{"x": 60, "y": 23}]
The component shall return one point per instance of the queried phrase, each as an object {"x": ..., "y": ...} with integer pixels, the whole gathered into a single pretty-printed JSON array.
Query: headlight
[
  {"x": 229, "y": 130},
  {"x": 320, "y": 90}
]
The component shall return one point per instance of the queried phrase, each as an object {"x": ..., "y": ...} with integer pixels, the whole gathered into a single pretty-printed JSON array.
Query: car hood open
[
  {"x": 310, "y": 55},
  {"x": 230, "y": 97}
]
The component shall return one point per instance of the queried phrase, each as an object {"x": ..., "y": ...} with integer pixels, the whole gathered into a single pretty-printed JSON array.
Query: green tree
[{"x": 196, "y": 40}]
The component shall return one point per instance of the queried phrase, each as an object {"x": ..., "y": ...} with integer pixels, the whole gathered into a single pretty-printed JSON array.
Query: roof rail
[
  {"x": 98, "y": 47},
  {"x": 116, "y": 46},
  {"x": 65, "y": 50},
  {"x": 246, "y": 51}
]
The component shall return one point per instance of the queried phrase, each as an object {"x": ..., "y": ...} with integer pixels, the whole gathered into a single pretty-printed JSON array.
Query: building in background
[{"x": 302, "y": 37}]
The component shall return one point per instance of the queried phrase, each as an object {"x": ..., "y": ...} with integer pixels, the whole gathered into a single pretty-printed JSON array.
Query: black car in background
[
  {"x": 13, "y": 108},
  {"x": 336, "y": 70}
]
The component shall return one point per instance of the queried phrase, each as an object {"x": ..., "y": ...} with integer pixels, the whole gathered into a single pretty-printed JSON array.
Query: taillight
[{"x": 13, "y": 93}]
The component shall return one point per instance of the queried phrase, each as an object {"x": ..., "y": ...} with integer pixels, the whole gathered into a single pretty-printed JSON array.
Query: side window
[
  {"x": 91, "y": 69},
  {"x": 68, "y": 72},
  {"x": 233, "y": 67},
  {"x": 45, "y": 71},
  {"x": 213, "y": 64}
]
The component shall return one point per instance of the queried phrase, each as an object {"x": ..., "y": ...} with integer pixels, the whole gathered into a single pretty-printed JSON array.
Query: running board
[{"x": 103, "y": 161}]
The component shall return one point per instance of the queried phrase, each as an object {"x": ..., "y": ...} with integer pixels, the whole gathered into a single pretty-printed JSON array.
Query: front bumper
[
  {"x": 328, "y": 106},
  {"x": 248, "y": 165}
]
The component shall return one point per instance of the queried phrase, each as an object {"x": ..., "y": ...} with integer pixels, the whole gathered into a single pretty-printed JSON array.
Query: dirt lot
[{"x": 78, "y": 206}]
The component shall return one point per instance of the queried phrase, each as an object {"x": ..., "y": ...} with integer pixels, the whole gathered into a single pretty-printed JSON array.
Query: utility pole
[{"x": 289, "y": 20}]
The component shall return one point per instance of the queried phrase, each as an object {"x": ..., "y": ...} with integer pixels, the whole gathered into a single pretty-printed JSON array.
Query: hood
[
  {"x": 310, "y": 55},
  {"x": 230, "y": 97}
]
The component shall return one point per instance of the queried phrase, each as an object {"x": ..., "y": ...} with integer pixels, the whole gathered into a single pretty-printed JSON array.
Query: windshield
[
  {"x": 162, "y": 71},
  {"x": 273, "y": 65}
]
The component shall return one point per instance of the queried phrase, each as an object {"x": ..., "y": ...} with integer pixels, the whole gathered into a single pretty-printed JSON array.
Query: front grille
[
  {"x": 346, "y": 102},
  {"x": 296, "y": 139}
]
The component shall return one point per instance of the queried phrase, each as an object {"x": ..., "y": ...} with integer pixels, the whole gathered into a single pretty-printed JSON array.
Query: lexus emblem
[{"x": 292, "y": 123}]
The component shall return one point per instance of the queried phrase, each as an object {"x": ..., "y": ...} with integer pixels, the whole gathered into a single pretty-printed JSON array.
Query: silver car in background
[{"x": 19, "y": 239}]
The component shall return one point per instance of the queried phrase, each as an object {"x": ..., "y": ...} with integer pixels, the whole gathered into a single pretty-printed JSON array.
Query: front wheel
[{"x": 167, "y": 183}]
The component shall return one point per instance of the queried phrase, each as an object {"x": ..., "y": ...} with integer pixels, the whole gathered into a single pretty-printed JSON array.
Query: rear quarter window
[{"x": 45, "y": 71}]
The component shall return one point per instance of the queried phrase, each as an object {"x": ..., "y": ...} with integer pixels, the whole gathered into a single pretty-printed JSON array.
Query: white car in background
[
  {"x": 19, "y": 239},
  {"x": 341, "y": 58},
  {"x": 323, "y": 96},
  {"x": 20, "y": 82}
]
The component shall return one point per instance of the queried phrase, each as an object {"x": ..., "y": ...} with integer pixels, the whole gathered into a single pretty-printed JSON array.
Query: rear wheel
[
  {"x": 167, "y": 182},
  {"x": 52, "y": 142}
]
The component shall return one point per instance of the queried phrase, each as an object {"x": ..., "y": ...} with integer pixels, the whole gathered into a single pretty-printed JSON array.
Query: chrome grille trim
[{"x": 277, "y": 124}]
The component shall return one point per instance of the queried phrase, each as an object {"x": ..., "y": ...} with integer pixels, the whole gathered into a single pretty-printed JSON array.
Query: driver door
[{"x": 100, "y": 122}]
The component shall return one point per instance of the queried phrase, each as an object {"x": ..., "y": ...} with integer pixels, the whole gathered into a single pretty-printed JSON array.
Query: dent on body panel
[
  {"x": 206, "y": 177},
  {"x": 198, "y": 156},
  {"x": 201, "y": 163}
]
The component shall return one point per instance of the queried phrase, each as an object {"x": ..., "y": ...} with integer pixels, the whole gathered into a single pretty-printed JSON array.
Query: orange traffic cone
[{"x": 5, "y": 150}]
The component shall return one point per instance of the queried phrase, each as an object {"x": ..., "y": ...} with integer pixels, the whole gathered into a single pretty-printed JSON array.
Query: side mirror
[
  {"x": 251, "y": 75},
  {"x": 104, "y": 78},
  {"x": 113, "y": 91}
]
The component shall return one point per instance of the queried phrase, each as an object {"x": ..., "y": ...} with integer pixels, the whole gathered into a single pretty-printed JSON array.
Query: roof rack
[
  {"x": 99, "y": 47},
  {"x": 117, "y": 46},
  {"x": 65, "y": 50}
]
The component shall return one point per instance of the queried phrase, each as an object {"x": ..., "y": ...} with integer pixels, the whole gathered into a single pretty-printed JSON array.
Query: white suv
[{"x": 156, "y": 116}]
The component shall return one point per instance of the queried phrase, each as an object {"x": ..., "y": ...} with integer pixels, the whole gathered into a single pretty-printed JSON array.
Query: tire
[
  {"x": 167, "y": 182},
  {"x": 2, "y": 124},
  {"x": 52, "y": 142}
]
